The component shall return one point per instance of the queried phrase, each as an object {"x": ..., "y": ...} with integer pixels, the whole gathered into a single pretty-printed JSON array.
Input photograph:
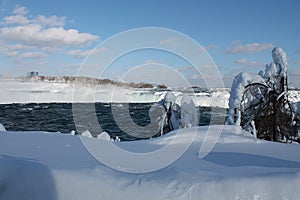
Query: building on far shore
[{"x": 32, "y": 74}]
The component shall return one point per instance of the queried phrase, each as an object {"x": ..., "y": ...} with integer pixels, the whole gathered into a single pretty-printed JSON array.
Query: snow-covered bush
[{"x": 259, "y": 103}]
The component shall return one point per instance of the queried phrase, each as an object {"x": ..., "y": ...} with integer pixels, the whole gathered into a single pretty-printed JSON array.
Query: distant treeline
[{"x": 92, "y": 81}]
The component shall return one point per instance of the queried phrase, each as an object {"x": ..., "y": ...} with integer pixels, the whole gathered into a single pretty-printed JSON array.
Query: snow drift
[{"x": 40, "y": 165}]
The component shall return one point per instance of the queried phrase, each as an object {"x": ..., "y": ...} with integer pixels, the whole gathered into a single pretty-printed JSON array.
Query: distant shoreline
[{"x": 86, "y": 81}]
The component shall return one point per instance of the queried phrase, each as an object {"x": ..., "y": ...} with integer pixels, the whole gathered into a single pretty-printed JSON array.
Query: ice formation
[
  {"x": 280, "y": 60},
  {"x": 271, "y": 77},
  {"x": 261, "y": 106},
  {"x": 172, "y": 116}
]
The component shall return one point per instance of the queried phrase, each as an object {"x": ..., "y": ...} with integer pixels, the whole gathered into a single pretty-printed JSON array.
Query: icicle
[{"x": 253, "y": 129}]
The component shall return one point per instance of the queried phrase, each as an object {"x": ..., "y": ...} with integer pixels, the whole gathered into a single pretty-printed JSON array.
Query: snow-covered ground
[{"x": 40, "y": 165}]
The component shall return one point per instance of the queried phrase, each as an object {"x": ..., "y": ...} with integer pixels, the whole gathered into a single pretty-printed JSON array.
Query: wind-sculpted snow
[{"x": 57, "y": 166}]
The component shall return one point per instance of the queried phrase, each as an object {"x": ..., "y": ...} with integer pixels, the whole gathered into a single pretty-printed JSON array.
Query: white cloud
[
  {"x": 195, "y": 76},
  {"x": 236, "y": 42},
  {"x": 73, "y": 65},
  {"x": 246, "y": 63},
  {"x": 36, "y": 35},
  {"x": 174, "y": 42},
  {"x": 50, "y": 21},
  {"x": 18, "y": 47},
  {"x": 33, "y": 55},
  {"x": 78, "y": 53},
  {"x": 249, "y": 48},
  {"x": 12, "y": 50},
  {"x": 295, "y": 72},
  {"x": 41, "y": 31},
  {"x": 20, "y": 10},
  {"x": 211, "y": 46},
  {"x": 293, "y": 75},
  {"x": 171, "y": 41},
  {"x": 8, "y": 53},
  {"x": 28, "y": 39},
  {"x": 15, "y": 19},
  {"x": 185, "y": 69},
  {"x": 148, "y": 73},
  {"x": 152, "y": 62},
  {"x": 19, "y": 17}
]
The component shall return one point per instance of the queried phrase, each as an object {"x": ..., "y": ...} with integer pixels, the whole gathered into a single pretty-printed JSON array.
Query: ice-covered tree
[{"x": 259, "y": 103}]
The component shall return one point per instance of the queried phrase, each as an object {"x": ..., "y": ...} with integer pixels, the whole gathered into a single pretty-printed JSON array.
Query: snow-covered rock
[
  {"x": 87, "y": 133},
  {"x": 73, "y": 132},
  {"x": 104, "y": 136},
  {"x": 2, "y": 128}
]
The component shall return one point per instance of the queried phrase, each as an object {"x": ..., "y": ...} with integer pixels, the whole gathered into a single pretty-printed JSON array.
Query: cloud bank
[
  {"x": 249, "y": 48},
  {"x": 41, "y": 31}
]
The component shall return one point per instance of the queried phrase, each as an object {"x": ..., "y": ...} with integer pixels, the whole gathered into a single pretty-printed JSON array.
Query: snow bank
[
  {"x": 39, "y": 165},
  {"x": 27, "y": 179}
]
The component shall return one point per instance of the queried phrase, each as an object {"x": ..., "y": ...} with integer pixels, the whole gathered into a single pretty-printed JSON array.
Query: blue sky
[{"x": 53, "y": 37}]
